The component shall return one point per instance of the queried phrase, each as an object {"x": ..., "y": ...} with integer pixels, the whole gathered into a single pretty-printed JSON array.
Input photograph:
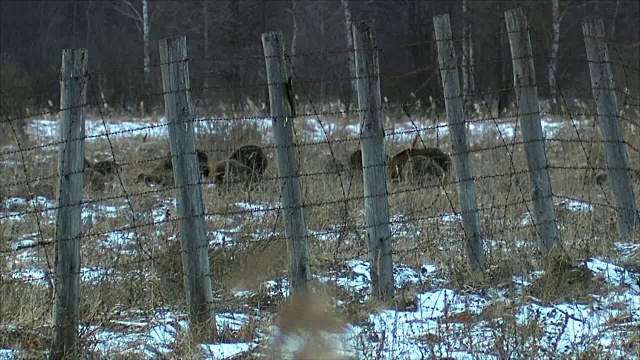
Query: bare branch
[
  {"x": 129, "y": 11},
  {"x": 133, "y": 9}
]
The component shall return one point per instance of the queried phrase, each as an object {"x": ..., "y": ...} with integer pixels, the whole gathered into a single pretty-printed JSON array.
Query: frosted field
[
  {"x": 46, "y": 131},
  {"x": 444, "y": 323}
]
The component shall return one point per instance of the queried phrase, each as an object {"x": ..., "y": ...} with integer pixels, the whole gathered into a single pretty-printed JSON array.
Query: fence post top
[
  {"x": 174, "y": 39},
  {"x": 81, "y": 52},
  {"x": 593, "y": 27},
  {"x": 364, "y": 25},
  {"x": 71, "y": 50},
  {"x": 441, "y": 17},
  {"x": 516, "y": 12},
  {"x": 272, "y": 35}
]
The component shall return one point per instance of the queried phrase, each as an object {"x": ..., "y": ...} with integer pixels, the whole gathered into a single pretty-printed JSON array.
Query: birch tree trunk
[
  {"x": 613, "y": 20},
  {"x": 323, "y": 84},
  {"x": 145, "y": 38},
  {"x": 294, "y": 36},
  {"x": 467, "y": 53},
  {"x": 352, "y": 59},
  {"x": 555, "y": 39},
  {"x": 205, "y": 12},
  {"x": 145, "y": 41},
  {"x": 471, "y": 61},
  {"x": 141, "y": 19},
  {"x": 88, "y": 18}
]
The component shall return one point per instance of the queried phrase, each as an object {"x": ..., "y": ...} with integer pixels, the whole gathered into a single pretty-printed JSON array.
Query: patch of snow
[
  {"x": 574, "y": 327},
  {"x": 256, "y": 210},
  {"x": 400, "y": 334},
  {"x": 28, "y": 240},
  {"x": 225, "y": 351},
  {"x": 219, "y": 238},
  {"x": 449, "y": 218},
  {"x": 626, "y": 250},
  {"x": 8, "y": 354},
  {"x": 279, "y": 287},
  {"x": 578, "y": 206},
  {"x": 159, "y": 334},
  {"x": 428, "y": 269},
  {"x": 47, "y": 130},
  {"x": 358, "y": 278},
  {"x": 17, "y": 207},
  {"x": 118, "y": 240},
  {"x": 39, "y": 277},
  {"x": 614, "y": 274}
]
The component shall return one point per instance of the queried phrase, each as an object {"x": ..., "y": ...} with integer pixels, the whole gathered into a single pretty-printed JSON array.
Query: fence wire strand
[{"x": 130, "y": 225}]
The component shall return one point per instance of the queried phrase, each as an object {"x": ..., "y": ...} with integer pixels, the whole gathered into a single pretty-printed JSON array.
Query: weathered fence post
[
  {"x": 73, "y": 98},
  {"x": 459, "y": 145},
  {"x": 282, "y": 104},
  {"x": 524, "y": 80},
  {"x": 604, "y": 92},
  {"x": 195, "y": 257},
  {"x": 373, "y": 160}
]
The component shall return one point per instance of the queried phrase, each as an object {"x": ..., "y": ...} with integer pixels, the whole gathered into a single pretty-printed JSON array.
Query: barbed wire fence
[{"x": 143, "y": 225}]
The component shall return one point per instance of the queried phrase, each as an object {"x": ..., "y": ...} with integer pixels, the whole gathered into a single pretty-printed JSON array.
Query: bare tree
[
  {"x": 613, "y": 19},
  {"x": 141, "y": 19},
  {"x": 205, "y": 15},
  {"x": 468, "y": 79},
  {"x": 145, "y": 38},
  {"x": 88, "y": 32},
  {"x": 555, "y": 40},
  {"x": 352, "y": 60},
  {"x": 294, "y": 36}
]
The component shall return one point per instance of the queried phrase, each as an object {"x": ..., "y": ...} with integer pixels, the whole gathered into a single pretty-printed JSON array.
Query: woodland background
[{"x": 226, "y": 53}]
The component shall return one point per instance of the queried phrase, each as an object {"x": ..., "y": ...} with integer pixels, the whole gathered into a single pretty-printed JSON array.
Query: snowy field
[
  {"x": 46, "y": 131},
  {"x": 443, "y": 321}
]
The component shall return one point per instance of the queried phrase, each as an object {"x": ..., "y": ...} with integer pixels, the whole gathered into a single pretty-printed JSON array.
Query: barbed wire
[
  {"x": 504, "y": 195},
  {"x": 624, "y": 92},
  {"x": 307, "y": 115}
]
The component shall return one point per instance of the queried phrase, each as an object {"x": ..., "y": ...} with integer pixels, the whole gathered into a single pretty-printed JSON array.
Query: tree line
[{"x": 225, "y": 47}]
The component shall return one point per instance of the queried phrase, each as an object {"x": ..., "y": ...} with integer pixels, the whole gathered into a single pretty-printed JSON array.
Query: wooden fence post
[
  {"x": 524, "y": 80},
  {"x": 73, "y": 98},
  {"x": 186, "y": 171},
  {"x": 617, "y": 159},
  {"x": 459, "y": 145},
  {"x": 281, "y": 99},
  {"x": 373, "y": 160}
]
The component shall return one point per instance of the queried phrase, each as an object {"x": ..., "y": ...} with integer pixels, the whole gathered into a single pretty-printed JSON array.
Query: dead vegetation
[{"x": 247, "y": 244}]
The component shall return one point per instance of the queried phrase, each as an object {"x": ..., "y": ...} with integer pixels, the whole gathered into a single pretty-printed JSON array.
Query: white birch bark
[
  {"x": 205, "y": 11},
  {"x": 467, "y": 52},
  {"x": 352, "y": 59},
  {"x": 145, "y": 38},
  {"x": 294, "y": 37},
  {"x": 555, "y": 40}
]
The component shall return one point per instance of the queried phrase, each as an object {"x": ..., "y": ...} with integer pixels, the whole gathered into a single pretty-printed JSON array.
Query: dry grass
[{"x": 146, "y": 271}]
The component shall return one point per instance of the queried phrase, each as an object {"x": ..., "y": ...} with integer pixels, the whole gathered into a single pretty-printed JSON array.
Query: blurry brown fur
[
  {"x": 333, "y": 166},
  {"x": 600, "y": 178},
  {"x": 308, "y": 317},
  {"x": 230, "y": 172},
  {"x": 162, "y": 179},
  {"x": 251, "y": 156},
  {"x": 106, "y": 167},
  {"x": 163, "y": 174},
  {"x": 203, "y": 161},
  {"x": 99, "y": 173},
  {"x": 420, "y": 170},
  {"x": 399, "y": 160},
  {"x": 355, "y": 160}
]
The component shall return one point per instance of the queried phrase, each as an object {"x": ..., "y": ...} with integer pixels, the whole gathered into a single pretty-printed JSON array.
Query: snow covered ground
[
  {"x": 445, "y": 322},
  {"x": 46, "y": 131}
]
